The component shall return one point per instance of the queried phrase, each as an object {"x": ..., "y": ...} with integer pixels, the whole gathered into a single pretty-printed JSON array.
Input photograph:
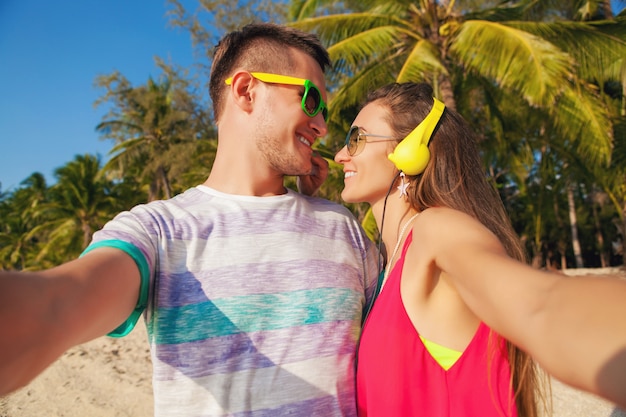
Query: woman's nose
[{"x": 342, "y": 155}]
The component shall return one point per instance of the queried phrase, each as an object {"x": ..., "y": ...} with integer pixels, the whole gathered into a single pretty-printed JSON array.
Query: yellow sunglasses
[{"x": 312, "y": 102}]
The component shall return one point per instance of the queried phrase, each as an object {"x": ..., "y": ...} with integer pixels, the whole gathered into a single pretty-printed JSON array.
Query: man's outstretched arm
[{"x": 42, "y": 314}]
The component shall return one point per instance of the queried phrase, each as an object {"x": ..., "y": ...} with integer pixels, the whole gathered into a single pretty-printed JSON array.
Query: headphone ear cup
[
  {"x": 403, "y": 156},
  {"x": 411, "y": 156},
  {"x": 422, "y": 157}
]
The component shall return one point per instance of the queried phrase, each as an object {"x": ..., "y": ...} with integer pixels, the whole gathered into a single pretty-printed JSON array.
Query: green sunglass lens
[{"x": 312, "y": 101}]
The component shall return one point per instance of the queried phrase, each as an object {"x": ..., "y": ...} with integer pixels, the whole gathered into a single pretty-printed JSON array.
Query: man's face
[{"x": 285, "y": 132}]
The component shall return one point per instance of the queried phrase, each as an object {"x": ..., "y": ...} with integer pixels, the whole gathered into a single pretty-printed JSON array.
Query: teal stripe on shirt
[{"x": 254, "y": 313}]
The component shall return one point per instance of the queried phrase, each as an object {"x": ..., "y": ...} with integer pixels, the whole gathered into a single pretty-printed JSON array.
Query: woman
[{"x": 457, "y": 298}]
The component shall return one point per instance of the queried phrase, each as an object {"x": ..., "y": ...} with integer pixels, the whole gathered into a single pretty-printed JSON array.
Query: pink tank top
[{"x": 397, "y": 376}]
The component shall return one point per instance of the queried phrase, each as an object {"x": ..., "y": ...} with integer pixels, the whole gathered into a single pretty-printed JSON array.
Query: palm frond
[
  {"x": 369, "y": 225},
  {"x": 504, "y": 12},
  {"x": 422, "y": 63},
  {"x": 354, "y": 89},
  {"x": 366, "y": 46},
  {"x": 582, "y": 121},
  {"x": 514, "y": 59},
  {"x": 597, "y": 48},
  {"x": 338, "y": 27}
]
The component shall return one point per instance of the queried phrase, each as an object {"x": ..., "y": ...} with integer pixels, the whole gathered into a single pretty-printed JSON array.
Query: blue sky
[
  {"x": 50, "y": 54},
  {"x": 51, "y": 51}
]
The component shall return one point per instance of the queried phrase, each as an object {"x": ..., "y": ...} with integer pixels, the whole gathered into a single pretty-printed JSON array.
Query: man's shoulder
[
  {"x": 189, "y": 197},
  {"x": 325, "y": 204}
]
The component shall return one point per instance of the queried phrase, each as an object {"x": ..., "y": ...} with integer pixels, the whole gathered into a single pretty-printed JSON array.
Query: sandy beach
[{"x": 113, "y": 378}]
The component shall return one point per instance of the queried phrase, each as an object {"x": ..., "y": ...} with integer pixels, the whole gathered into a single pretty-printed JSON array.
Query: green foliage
[
  {"x": 369, "y": 225},
  {"x": 155, "y": 128},
  {"x": 541, "y": 81},
  {"x": 213, "y": 18},
  {"x": 47, "y": 225},
  {"x": 528, "y": 75},
  {"x": 20, "y": 213}
]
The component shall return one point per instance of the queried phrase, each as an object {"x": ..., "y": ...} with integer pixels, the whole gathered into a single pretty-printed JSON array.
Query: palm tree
[
  {"x": 517, "y": 70},
  {"x": 529, "y": 76},
  {"x": 613, "y": 182},
  {"x": 19, "y": 211},
  {"x": 153, "y": 128},
  {"x": 453, "y": 48},
  {"x": 78, "y": 204}
]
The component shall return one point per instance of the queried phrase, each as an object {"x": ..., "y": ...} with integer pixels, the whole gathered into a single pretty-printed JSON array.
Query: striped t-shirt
[{"x": 254, "y": 303}]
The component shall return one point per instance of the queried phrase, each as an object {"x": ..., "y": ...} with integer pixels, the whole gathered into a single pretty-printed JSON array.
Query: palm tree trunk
[
  {"x": 447, "y": 92},
  {"x": 153, "y": 190},
  {"x": 607, "y": 9},
  {"x": 563, "y": 261},
  {"x": 537, "y": 258},
  {"x": 623, "y": 232},
  {"x": 561, "y": 244},
  {"x": 574, "y": 226},
  {"x": 87, "y": 233},
  {"x": 599, "y": 237},
  {"x": 165, "y": 183}
]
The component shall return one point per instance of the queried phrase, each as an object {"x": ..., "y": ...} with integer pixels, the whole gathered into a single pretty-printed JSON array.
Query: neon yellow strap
[{"x": 444, "y": 356}]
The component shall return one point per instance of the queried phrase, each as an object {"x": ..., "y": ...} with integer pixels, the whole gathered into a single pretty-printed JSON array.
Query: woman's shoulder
[
  {"x": 437, "y": 217},
  {"x": 444, "y": 224}
]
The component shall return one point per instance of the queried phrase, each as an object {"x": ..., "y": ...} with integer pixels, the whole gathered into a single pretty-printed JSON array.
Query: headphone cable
[{"x": 380, "y": 241}]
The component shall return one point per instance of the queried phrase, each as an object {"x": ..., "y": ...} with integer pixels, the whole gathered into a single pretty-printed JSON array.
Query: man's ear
[{"x": 242, "y": 90}]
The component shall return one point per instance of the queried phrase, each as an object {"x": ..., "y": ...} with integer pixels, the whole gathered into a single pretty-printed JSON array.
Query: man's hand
[{"x": 309, "y": 184}]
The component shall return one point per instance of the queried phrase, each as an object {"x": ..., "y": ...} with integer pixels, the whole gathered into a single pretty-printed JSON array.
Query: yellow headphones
[{"x": 412, "y": 155}]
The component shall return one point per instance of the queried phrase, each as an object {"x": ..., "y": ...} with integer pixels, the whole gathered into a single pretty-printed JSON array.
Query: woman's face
[{"x": 368, "y": 175}]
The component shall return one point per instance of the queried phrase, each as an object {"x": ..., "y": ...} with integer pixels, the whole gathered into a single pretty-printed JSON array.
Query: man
[{"x": 253, "y": 293}]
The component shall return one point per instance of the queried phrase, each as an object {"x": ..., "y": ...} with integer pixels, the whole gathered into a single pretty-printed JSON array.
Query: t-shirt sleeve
[
  {"x": 144, "y": 271},
  {"x": 134, "y": 233},
  {"x": 372, "y": 273}
]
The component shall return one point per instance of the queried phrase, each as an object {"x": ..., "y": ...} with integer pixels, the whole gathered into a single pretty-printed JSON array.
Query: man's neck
[{"x": 253, "y": 186}]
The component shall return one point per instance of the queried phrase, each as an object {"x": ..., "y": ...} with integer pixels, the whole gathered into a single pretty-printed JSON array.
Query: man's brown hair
[{"x": 262, "y": 47}]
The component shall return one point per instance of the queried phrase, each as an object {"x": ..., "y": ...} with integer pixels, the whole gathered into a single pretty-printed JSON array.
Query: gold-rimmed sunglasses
[{"x": 356, "y": 140}]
